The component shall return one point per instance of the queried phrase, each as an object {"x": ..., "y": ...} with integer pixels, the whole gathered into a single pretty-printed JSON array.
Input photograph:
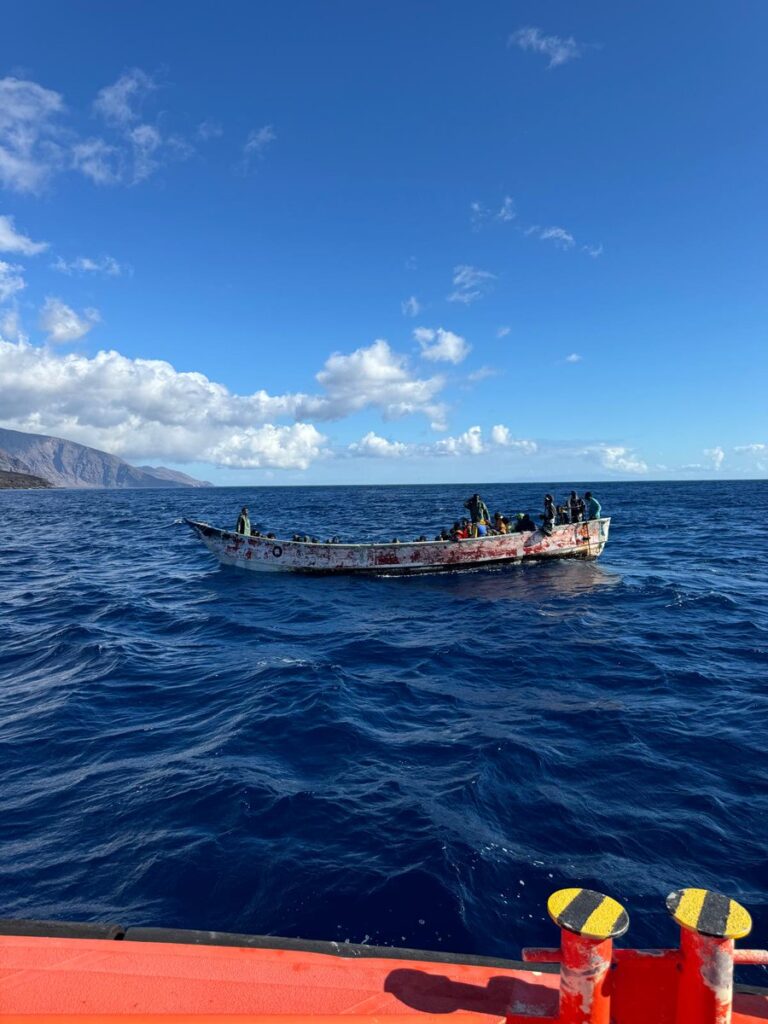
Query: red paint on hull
[{"x": 580, "y": 540}]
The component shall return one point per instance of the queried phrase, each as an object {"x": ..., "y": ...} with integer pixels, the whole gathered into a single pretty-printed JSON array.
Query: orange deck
[{"x": 111, "y": 980}]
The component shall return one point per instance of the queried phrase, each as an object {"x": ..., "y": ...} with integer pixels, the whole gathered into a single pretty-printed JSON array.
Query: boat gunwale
[
  {"x": 47, "y": 930},
  {"x": 249, "y": 538}
]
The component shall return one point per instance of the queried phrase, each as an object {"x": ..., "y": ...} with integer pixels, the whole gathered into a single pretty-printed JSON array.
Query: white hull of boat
[{"x": 577, "y": 540}]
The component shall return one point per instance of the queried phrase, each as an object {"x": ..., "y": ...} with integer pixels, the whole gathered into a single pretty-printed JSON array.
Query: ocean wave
[{"x": 415, "y": 761}]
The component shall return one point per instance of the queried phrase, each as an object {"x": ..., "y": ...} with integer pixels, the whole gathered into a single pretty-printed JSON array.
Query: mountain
[
  {"x": 15, "y": 474},
  {"x": 174, "y": 477},
  {"x": 68, "y": 464},
  {"x": 10, "y": 464}
]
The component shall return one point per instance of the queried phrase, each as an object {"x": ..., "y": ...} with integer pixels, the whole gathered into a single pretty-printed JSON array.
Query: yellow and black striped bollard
[
  {"x": 709, "y": 924},
  {"x": 588, "y": 922}
]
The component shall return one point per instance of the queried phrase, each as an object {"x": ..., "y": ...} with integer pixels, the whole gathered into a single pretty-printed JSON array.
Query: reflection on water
[{"x": 533, "y": 582}]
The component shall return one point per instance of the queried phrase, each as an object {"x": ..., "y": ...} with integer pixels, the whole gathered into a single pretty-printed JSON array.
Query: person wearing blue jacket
[{"x": 593, "y": 506}]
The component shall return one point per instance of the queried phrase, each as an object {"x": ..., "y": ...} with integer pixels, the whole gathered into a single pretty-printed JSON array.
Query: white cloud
[
  {"x": 478, "y": 214},
  {"x": 754, "y": 449},
  {"x": 379, "y": 447},
  {"x": 468, "y": 443},
  {"x": 439, "y": 345},
  {"x": 62, "y": 324},
  {"x": 483, "y": 373},
  {"x": 471, "y": 442},
  {"x": 502, "y": 332},
  {"x": 13, "y": 241},
  {"x": 208, "y": 130},
  {"x": 508, "y": 211},
  {"x": 470, "y": 284},
  {"x": 291, "y": 447},
  {"x": 106, "y": 265},
  {"x": 372, "y": 377},
  {"x": 11, "y": 280},
  {"x": 411, "y": 306},
  {"x": 593, "y": 250},
  {"x": 35, "y": 145},
  {"x": 562, "y": 239},
  {"x": 716, "y": 455},
  {"x": 147, "y": 142},
  {"x": 502, "y": 436},
  {"x": 103, "y": 163},
  {"x": 142, "y": 408},
  {"x": 119, "y": 104},
  {"x": 10, "y": 326},
  {"x": 30, "y": 145},
  {"x": 559, "y": 50},
  {"x": 142, "y": 147},
  {"x": 620, "y": 459},
  {"x": 574, "y": 357},
  {"x": 256, "y": 145}
]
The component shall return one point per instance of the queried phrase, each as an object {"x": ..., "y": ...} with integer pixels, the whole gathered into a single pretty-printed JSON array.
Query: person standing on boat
[
  {"x": 550, "y": 515},
  {"x": 573, "y": 507},
  {"x": 592, "y": 506},
  {"x": 243, "y": 522},
  {"x": 478, "y": 510}
]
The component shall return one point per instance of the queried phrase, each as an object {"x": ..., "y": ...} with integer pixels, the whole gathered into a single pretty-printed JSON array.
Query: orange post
[
  {"x": 585, "y": 996},
  {"x": 709, "y": 923},
  {"x": 589, "y": 922}
]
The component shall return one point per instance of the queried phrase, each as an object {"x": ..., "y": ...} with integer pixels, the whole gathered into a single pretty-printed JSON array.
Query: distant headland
[{"x": 37, "y": 460}]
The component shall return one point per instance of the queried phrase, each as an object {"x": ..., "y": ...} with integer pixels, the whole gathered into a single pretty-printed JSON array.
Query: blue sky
[{"x": 420, "y": 241}]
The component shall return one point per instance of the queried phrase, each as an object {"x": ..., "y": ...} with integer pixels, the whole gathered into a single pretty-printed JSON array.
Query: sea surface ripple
[{"x": 415, "y": 762}]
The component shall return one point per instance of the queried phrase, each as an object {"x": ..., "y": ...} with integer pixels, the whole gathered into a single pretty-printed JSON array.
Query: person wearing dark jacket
[
  {"x": 573, "y": 507},
  {"x": 523, "y": 523},
  {"x": 478, "y": 510},
  {"x": 550, "y": 515}
]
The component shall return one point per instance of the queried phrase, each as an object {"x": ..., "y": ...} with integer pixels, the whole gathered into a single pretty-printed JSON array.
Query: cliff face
[
  {"x": 10, "y": 464},
  {"x": 20, "y": 481},
  {"x": 68, "y": 464}
]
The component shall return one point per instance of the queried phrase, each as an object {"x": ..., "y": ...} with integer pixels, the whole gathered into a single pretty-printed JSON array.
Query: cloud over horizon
[{"x": 145, "y": 408}]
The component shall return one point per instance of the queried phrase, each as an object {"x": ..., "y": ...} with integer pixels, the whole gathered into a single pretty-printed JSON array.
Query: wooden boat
[
  {"x": 59, "y": 973},
  {"x": 577, "y": 540}
]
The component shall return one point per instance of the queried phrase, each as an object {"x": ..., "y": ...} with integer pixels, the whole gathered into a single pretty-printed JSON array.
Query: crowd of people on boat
[
  {"x": 574, "y": 509},
  {"x": 479, "y": 522}
]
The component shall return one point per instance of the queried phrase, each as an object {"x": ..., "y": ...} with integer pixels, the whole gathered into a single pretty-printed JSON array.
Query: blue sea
[{"x": 399, "y": 761}]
